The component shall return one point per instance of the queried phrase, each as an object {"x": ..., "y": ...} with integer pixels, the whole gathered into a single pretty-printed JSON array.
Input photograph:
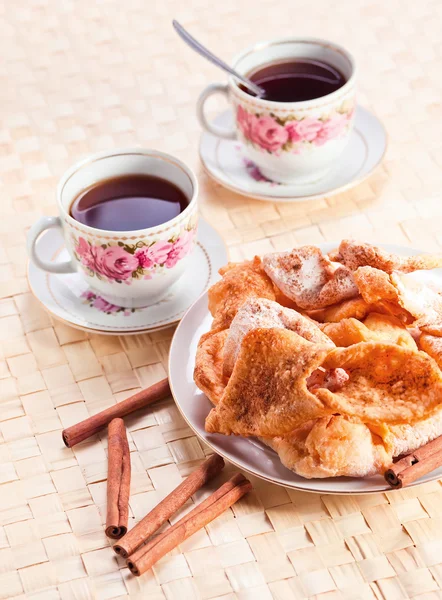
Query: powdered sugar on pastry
[
  {"x": 263, "y": 313},
  {"x": 419, "y": 293},
  {"x": 332, "y": 446},
  {"x": 356, "y": 254},
  {"x": 239, "y": 282},
  {"x": 309, "y": 278},
  {"x": 416, "y": 295},
  {"x": 267, "y": 393},
  {"x": 432, "y": 345},
  {"x": 406, "y": 438}
]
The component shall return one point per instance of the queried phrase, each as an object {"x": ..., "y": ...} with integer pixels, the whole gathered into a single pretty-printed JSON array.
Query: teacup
[
  {"x": 127, "y": 268},
  {"x": 290, "y": 142}
]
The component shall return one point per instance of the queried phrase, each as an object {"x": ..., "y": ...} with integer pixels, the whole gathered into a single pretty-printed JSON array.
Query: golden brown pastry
[
  {"x": 387, "y": 383},
  {"x": 406, "y": 438},
  {"x": 376, "y": 328},
  {"x": 414, "y": 297},
  {"x": 432, "y": 345},
  {"x": 356, "y": 308},
  {"x": 240, "y": 281},
  {"x": 274, "y": 372},
  {"x": 356, "y": 254},
  {"x": 208, "y": 372},
  {"x": 332, "y": 446},
  {"x": 261, "y": 313},
  {"x": 309, "y": 278},
  {"x": 267, "y": 393},
  {"x": 375, "y": 285}
]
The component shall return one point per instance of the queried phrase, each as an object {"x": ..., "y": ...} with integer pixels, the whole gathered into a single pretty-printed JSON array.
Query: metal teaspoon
[{"x": 195, "y": 45}]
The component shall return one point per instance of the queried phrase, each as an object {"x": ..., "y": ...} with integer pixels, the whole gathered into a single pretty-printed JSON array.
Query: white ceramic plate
[
  {"x": 247, "y": 453},
  {"x": 225, "y": 162},
  {"x": 68, "y": 298}
]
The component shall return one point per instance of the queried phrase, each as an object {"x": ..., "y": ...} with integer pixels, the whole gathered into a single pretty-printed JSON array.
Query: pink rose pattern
[
  {"x": 274, "y": 135},
  {"x": 255, "y": 173},
  {"x": 151, "y": 255},
  {"x": 124, "y": 263},
  {"x": 104, "y": 306},
  {"x": 268, "y": 134}
]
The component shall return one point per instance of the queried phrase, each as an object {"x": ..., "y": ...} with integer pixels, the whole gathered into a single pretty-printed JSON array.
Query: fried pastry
[
  {"x": 356, "y": 254},
  {"x": 240, "y": 281},
  {"x": 333, "y": 379},
  {"x": 421, "y": 294},
  {"x": 432, "y": 345},
  {"x": 377, "y": 289},
  {"x": 267, "y": 394},
  {"x": 309, "y": 278},
  {"x": 413, "y": 296},
  {"x": 262, "y": 313},
  {"x": 271, "y": 368},
  {"x": 375, "y": 285},
  {"x": 356, "y": 307},
  {"x": 332, "y": 446},
  {"x": 387, "y": 383},
  {"x": 208, "y": 372},
  {"x": 431, "y": 325},
  {"x": 407, "y": 438},
  {"x": 389, "y": 328},
  {"x": 348, "y": 332},
  {"x": 375, "y": 328}
]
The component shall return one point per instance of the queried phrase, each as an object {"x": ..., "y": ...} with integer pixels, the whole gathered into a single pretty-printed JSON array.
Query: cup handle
[
  {"x": 222, "y": 132},
  {"x": 33, "y": 234}
]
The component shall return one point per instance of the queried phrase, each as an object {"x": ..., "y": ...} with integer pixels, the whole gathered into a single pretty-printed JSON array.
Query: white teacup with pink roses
[
  {"x": 290, "y": 142},
  {"x": 127, "y": 268}
]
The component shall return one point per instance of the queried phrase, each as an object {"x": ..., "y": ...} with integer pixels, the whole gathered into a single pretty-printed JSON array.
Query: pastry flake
[
  {"x": 208, "y": 372},
  {"x": 332, "y": 446},
  {"x": 376, "y": 328},
  {"x": 262, "y": 313},
  {"x": 267, "y": 394},
  {"x": 387, "y": 383},
  {"x": 356, "y": 254},
  {"x": 357, "y": 308},
  {"x": 239, "y": 282},
  {"x": 309, "y": 278}
]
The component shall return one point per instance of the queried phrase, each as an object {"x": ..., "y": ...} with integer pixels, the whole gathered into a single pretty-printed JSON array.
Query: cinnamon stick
[
  {"x": 81, "y": 431},
  {"x": 167, "y": 507},
  {"x": 118, "y": 480},
  {"x": 229, "y": 493},
  {"x": 237, "y": 479},
  {"x": 415, "y": 465}
]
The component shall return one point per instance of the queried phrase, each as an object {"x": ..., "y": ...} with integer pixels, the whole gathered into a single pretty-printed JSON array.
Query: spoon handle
[{"x": 203, "y": 51}]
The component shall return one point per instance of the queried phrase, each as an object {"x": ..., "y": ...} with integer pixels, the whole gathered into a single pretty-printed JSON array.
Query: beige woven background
[{"x": 78, "y": 76}]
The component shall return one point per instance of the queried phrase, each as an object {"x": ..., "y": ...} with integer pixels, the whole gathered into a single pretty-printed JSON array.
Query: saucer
[
  {"x": 225, "y": 161},
  {"x": 69, "y": 299}
]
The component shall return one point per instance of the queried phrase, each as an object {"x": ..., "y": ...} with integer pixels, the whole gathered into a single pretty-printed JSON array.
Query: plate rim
[
  {"x": 296, "y": 199},
  {"x": 325, "y": 247}
]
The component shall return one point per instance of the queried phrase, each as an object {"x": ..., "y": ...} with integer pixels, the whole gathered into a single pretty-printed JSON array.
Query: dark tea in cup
[
  {"x": 296, "y": 80},
  {"x": 128, "y": 203}
]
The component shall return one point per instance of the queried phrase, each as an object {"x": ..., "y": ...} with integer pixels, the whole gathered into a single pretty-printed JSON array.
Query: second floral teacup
[
  {"x": 132, "y": 268},
  {"x": 290, "y": 142}
]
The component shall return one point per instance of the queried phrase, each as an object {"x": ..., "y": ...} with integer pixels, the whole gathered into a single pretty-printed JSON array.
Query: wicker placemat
[{"x": 78, "y": 77}]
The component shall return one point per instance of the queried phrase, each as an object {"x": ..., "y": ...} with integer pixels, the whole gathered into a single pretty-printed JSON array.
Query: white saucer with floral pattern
[
  {"x": 68, "y": 298},
  {"x": 225, "y": 161}
]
